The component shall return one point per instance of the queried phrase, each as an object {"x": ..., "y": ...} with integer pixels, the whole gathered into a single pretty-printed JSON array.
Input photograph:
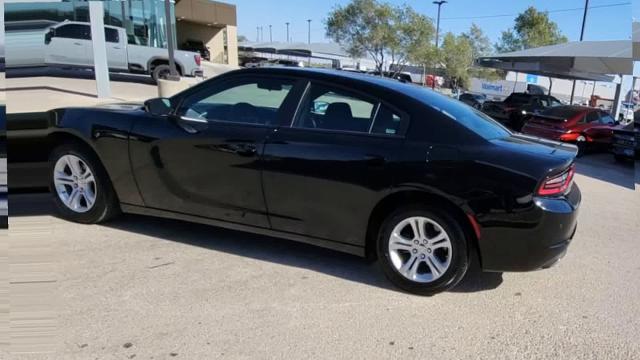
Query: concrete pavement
[{"x": 149, "y": 288}]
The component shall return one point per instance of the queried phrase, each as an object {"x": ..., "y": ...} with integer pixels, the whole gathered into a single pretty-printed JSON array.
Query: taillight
[
  {"x": 198, "y": 59},
  {"x": 558, "y": 184}
]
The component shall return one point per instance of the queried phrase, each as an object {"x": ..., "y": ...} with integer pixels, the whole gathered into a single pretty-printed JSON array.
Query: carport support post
[
  {"x": 170, "y": 45},
  {"x": 100, "y": 65}
]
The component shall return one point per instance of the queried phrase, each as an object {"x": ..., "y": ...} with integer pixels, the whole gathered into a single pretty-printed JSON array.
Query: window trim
[{"x": 404, "y": 117}]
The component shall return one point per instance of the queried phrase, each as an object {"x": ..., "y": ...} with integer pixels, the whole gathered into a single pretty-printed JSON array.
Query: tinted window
[
  {"x": 592, "y": 117},
  {"x": 518, "y": 98},
  {"x": 387, "y": 122},
  {"x": 607, "y": 119},
  {"x": 111, "y": 35},
  {"x": 564, "y": 112},
  {"x": 472, "y": 119},
  {"x": 74, "y": 31},
  {"x": 335, "y": 109},
  {"x": 242, "y": 101}
]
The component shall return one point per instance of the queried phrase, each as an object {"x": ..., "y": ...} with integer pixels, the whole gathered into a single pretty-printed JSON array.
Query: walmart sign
[{"x": 492, "y": 87}]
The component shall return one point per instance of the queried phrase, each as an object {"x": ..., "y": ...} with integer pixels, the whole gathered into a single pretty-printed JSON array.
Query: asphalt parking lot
[{"x": 149, "y": 288}]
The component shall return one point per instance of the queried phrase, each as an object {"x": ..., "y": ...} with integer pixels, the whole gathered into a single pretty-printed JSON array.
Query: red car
[{"x": 582, "y": 125}]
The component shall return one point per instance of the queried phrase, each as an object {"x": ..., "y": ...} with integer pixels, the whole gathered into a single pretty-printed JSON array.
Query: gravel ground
[{"x": 147, "y": 288}]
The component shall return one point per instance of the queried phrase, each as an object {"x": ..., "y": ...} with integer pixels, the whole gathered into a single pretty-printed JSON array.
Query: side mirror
[
  {"x": 158, "y": 106},
  {"x": 48, "y": 36}
]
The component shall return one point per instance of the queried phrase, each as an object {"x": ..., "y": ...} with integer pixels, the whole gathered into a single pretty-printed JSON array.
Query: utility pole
[
  {"x": 270, "y": 35},
  {"x": 584, "y": 21},
  {"x": 287, "y": 31},
  {"x": 171, "y": 46},
  {"x": 439, "y": 3},
  {"x": 309, "y": 31}
]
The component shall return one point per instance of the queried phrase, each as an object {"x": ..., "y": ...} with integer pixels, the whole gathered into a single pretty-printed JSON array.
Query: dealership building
[{"x": 214, "y": 23}]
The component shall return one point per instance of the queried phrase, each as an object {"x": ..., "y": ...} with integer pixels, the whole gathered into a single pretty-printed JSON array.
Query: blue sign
[{"x": 532, "y": 79}]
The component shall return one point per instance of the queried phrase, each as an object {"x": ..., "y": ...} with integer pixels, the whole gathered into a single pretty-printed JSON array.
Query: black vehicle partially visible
[
  {"x": 473, "y": 100},
  {"x": 4, "y": 221},
  {"x": 625, "y": 144},
  {"x": 356, "y": 163},
  {"x": 197, "y": 46},
  {"x": 517, "y": 108}
]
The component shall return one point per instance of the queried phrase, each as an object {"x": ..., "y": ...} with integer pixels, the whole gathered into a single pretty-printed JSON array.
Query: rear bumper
[{"x": 538, "y": 241}]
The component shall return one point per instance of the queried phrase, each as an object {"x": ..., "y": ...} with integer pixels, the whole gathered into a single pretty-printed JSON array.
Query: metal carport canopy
[{"x": 584, "y": 60}]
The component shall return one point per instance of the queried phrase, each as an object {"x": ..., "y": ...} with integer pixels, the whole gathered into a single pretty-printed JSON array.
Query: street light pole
[
  {"x": 439, "y": 3},
  {"x": 309, "y": 32},
  {"x": 270, "y": 35},
  {"x": 257, "y": 33},
  {"x": 287, "y": 31},
  {"x": 584, "y": 21}
]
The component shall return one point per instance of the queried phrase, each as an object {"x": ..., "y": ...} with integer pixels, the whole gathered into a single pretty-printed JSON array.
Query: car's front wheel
[
  {"x": 80, "y": 186},
  {"x": 422, "y": 250}
]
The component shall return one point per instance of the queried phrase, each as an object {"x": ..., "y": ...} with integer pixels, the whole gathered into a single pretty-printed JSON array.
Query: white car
[{"x": 69, "y": 44}]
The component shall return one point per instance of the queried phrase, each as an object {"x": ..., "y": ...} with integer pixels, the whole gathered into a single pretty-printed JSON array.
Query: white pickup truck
[{"x": 69, "y": 44}]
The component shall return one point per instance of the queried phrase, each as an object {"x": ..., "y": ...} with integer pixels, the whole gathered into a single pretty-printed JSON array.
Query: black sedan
[{"x": 356, "y": 163}]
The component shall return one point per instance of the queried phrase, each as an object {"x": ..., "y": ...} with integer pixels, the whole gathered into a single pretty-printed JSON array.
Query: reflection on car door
[
  {"x": 70, "y": 46},
  {"x": 323, "y": 175},
  {"x": 205, "y": 161}
]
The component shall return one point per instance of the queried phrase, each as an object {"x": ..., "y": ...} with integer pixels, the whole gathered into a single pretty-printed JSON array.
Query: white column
[{"x": 101, "y": 67}]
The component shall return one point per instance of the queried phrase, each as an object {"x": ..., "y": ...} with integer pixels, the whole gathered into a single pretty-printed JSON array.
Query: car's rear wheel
[
  {"x": 422, "y": 250},
  {"x": 80, "y": 186}
]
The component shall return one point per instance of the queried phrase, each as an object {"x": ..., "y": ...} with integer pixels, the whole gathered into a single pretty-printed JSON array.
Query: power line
[{"x": 548, "y": 11}]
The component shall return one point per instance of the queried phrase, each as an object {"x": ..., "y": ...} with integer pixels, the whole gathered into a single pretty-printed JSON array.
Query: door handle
[
  {"x": 192, "y": 125},
  {"x": 77, "y": 43},
  {"x": 117, "y": 47}
]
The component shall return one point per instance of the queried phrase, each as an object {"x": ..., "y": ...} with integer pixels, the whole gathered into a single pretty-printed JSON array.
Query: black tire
[
  {"x": 160, "y": 71},
  {"x": 459, "y": 251},
  {"x": 106, "y": 205},
  {"x": 620, "y": 158}
]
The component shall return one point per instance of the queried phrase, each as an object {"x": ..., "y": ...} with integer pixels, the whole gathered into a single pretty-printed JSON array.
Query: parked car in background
[
  {"x": 4, "y": 214},
  {"x": 473, "y": 100},
  {"x": 197, "y": 46},
  {"x": 401, "y": 76},
  {"x": 589, "y": 128},
  {"x": 356, "y": 163},
  {"x": 625, "y": 144},
  {"x": 68, "y": 44},
  {"x": 517, "y": 107}
]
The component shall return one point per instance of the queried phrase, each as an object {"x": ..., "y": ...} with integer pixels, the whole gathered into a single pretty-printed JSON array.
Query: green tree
[
  {"x": 242, "y": 38},
  {"x": 386, "y": 33},
  {"x": 480, "y": 42},
  {"x": 532, "y": 28},
  {"x": 457, "y": 59}
]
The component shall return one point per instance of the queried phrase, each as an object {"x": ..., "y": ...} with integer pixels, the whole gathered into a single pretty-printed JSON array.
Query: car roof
[{"x": 416, "y": 92}]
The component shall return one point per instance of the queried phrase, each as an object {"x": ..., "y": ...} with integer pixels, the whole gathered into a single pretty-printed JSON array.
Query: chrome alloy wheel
[
  {"x": 74, "y": 183},
  {"x": 420, "y": 249}
]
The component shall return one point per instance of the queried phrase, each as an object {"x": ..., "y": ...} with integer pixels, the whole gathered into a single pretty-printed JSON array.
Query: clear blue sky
[{"x": 603, "y": 23}]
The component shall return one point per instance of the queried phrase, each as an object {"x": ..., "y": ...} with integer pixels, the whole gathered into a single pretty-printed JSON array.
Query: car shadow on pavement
[
  {"x": 263, "y": 248},
  {"x": 604, "y": 167}
]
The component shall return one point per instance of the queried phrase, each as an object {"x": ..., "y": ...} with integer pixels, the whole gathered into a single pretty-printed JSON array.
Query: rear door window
[
  {"x": 328, "y": 108},
  {"x": 74, "y": 31},
  {"x": 111, "y": 35}
]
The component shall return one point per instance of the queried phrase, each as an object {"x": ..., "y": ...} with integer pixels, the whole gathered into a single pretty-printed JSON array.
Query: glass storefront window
[{"x": 144, "y": 20}]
